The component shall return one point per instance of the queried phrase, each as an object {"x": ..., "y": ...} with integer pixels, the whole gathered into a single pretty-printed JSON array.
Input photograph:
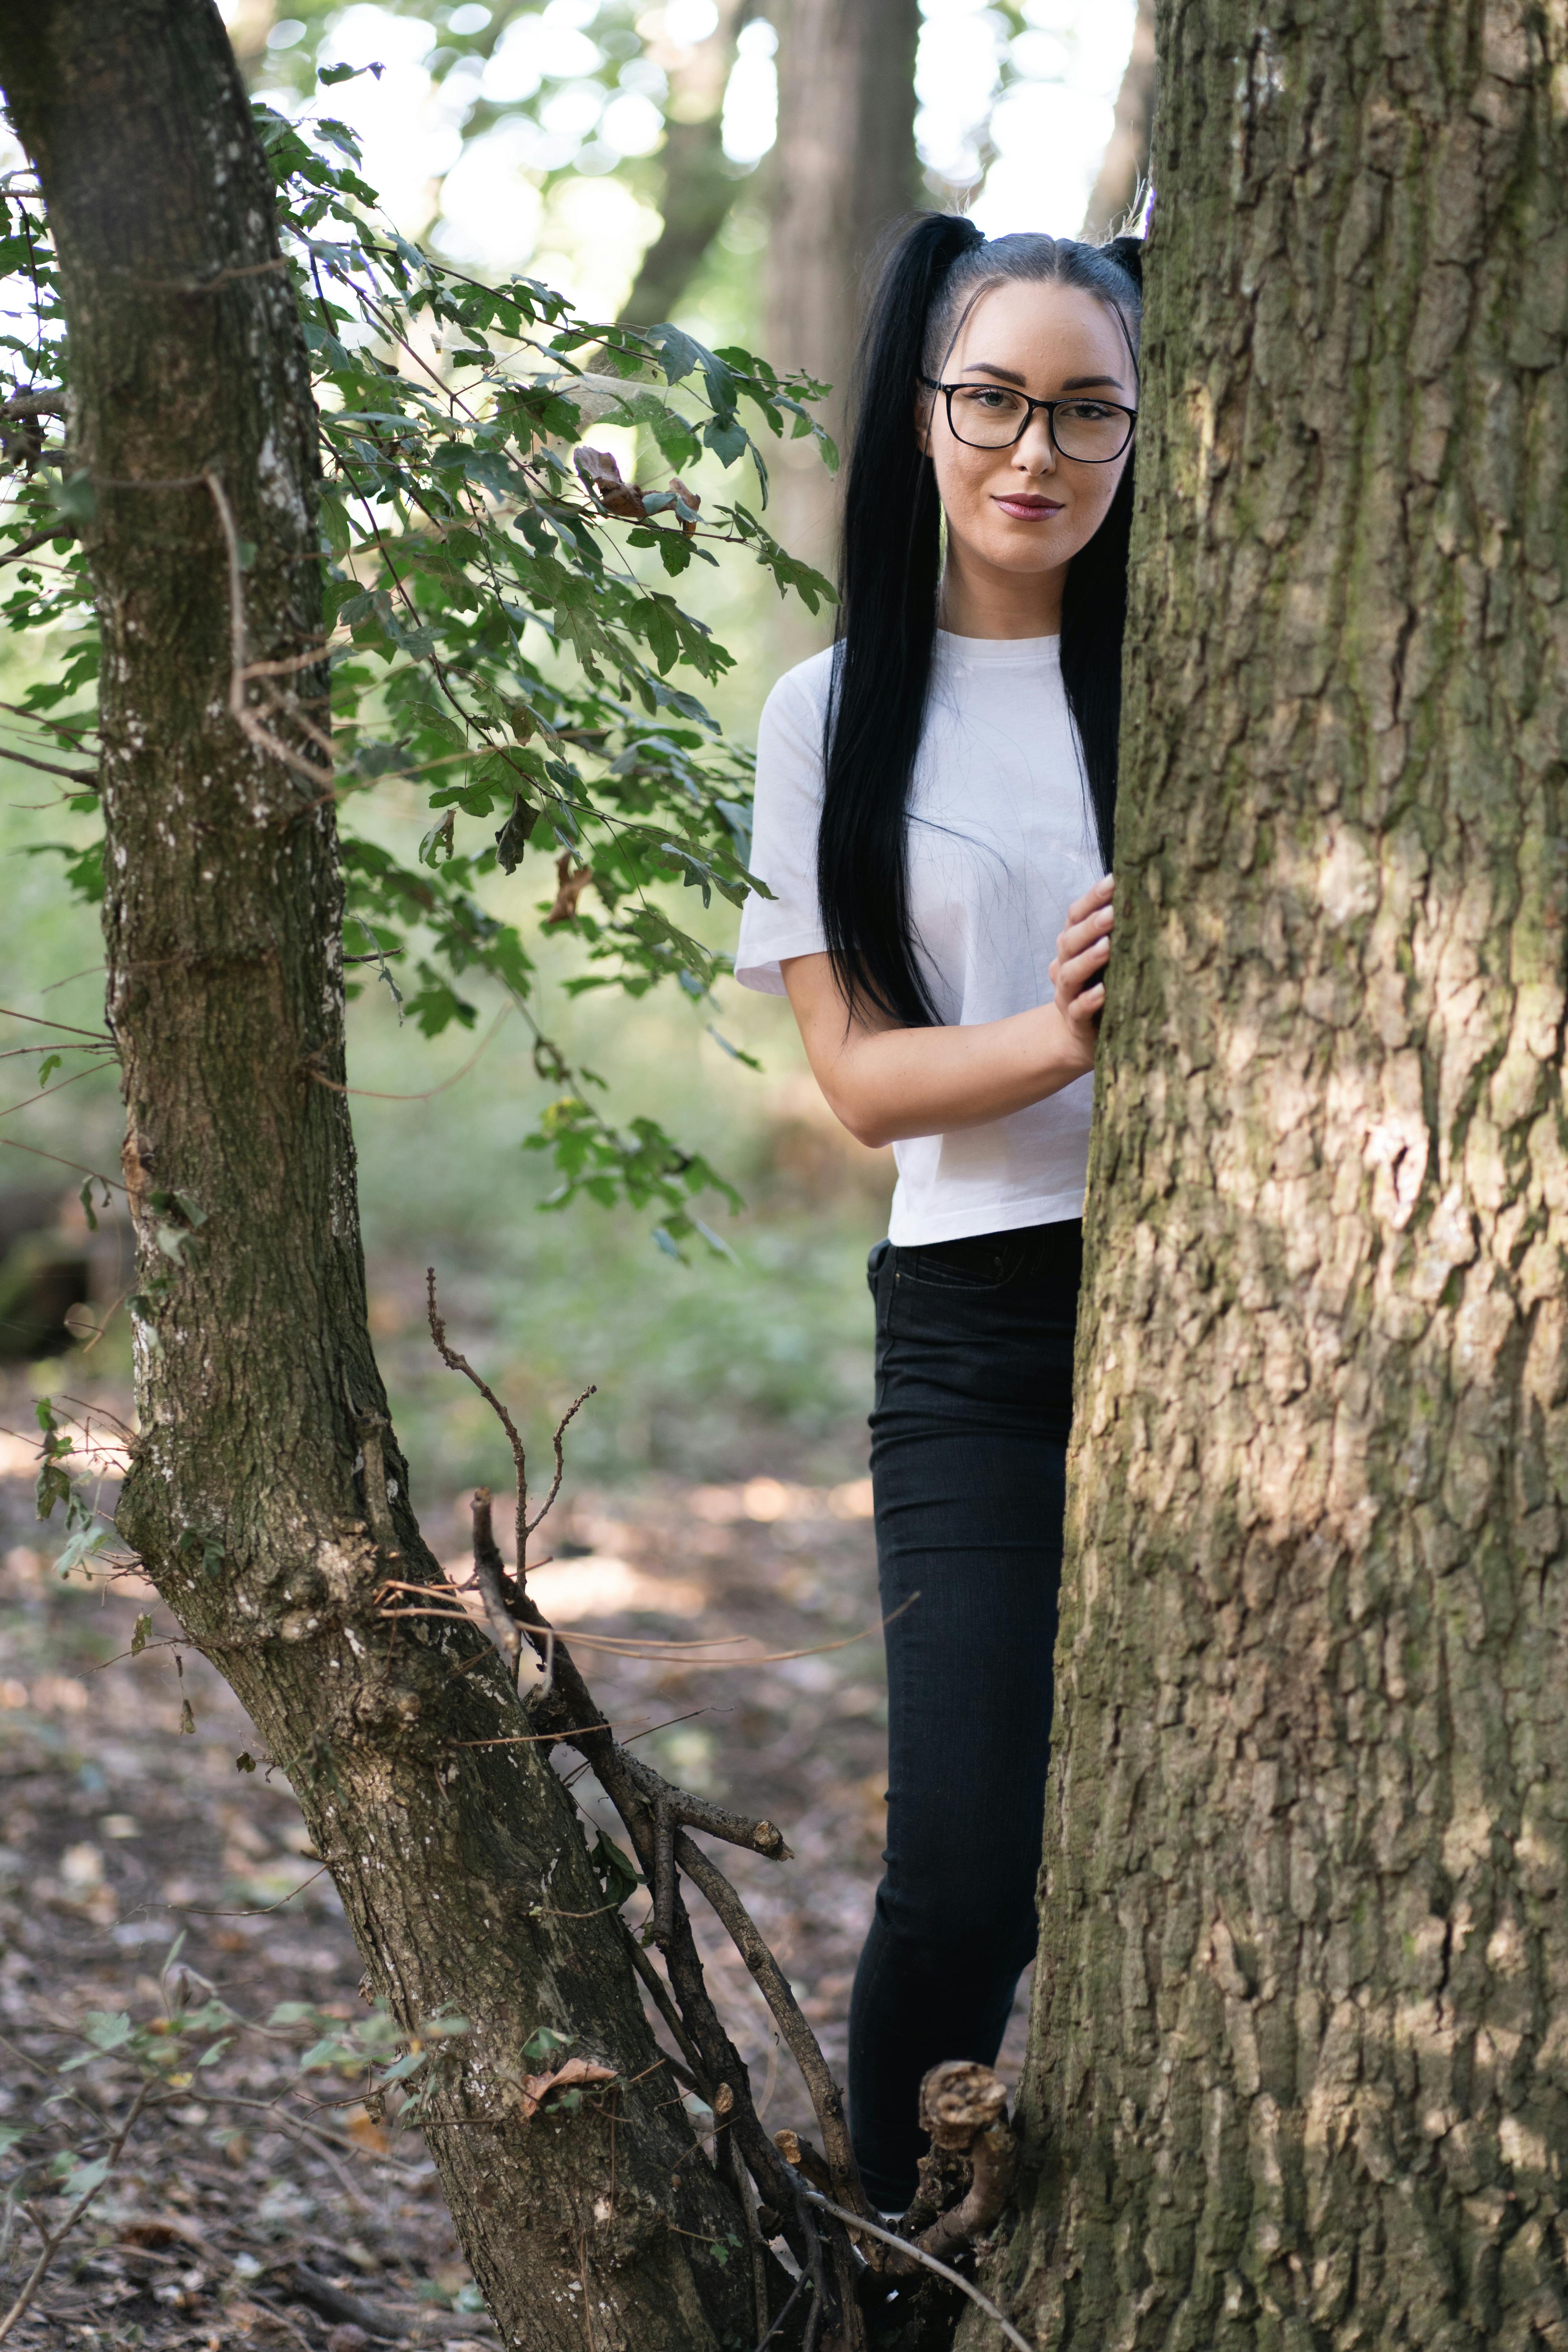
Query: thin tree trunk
[
  {"x": 1297, "y": 2074},
  {"x": 1125, "y": 167},
  {"x": 253, "y": 1500},
  {"x": 700, "y": 183},
  {"x": 843, "y": 170}
]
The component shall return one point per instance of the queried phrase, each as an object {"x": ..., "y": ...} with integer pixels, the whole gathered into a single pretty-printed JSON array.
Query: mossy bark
[
  {"x": 1300, "y": 2058},
  {"x": 462, "y": 1867}
]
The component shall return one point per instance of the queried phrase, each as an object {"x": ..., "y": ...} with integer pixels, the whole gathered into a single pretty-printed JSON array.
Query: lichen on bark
[{"x": 1299, "y": 2069}]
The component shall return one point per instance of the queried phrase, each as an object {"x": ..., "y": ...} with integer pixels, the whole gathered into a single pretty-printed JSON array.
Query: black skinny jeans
[{"x": 974, "y": 1342}]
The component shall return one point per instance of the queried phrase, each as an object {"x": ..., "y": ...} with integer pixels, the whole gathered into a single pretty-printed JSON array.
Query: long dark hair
[{"x": 935, "y": 269}]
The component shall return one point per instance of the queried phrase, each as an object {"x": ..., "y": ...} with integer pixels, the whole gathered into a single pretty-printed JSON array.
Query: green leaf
[
  {"x": 618, "y": 1875},
  {"x": 74, "y": 499},
  {"x": 140, "y": 1632}
]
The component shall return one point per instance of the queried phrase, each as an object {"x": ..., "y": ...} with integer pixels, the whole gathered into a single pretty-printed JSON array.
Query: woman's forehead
[{"x": 1022, "y": 325}]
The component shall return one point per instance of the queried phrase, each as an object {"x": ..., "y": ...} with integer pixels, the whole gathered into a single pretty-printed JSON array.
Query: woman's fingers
[
  {"x": 1092, "y": 900},
  {"x": 1080, "y": 936},
  {"x": 1082, "y": 951},
  {"x": 1073, "y": 973}
]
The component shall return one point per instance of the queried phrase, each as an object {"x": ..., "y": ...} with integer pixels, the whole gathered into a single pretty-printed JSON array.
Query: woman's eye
[
  {"x": 985, "y": 395},
  {"x": 1085, "y": 412}
]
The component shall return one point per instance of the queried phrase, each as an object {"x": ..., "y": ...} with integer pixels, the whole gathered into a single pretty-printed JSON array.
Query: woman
[{"x": 933, "y": 820}]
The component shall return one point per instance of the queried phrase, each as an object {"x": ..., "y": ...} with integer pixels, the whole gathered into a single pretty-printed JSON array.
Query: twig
[
  {"x": 927, "y": 2261},
  {"x": 14, "y": 555},
  {"x": 570, "y": 1415},
  {"x": 813, "y": 2262},
  {"x": 571, "y": 1706},
  {"x": 55, "y": 2239},
  {"x": 803, "y": 2047},
  {"x": 457, "y": 1363},
  {"x": 799, "y": 2288},
  {"x": 663, "y": 1870},
  {"x": 658, "y": 1993}
]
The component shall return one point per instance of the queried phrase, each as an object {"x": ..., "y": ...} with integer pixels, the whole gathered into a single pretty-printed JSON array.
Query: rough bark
[
  {"x": 253, "y": 1499},
  {"x": 843, "y": 170},
  {"x": 1125, "y": 167},
  {"x": 1297, "y": 2073}
]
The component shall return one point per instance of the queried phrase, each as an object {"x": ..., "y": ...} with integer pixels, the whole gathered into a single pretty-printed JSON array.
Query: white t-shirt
[{"x": 1001, "y": 841}]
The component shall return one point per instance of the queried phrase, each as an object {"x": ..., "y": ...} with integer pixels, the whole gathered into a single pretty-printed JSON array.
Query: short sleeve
[{"x": 784, "y": 838}]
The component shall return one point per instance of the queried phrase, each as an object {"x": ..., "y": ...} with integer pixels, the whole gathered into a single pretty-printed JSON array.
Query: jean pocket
[{"x": 977, "y": 1261}]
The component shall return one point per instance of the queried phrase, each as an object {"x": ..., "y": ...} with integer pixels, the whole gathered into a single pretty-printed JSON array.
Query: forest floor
[{"x": 256, "y": 2202}]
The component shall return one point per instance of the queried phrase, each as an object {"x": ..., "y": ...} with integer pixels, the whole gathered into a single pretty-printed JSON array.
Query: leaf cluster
[{"x": 503, "y": 638}]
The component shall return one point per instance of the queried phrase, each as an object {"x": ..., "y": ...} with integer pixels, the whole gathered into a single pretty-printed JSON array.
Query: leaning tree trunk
[
  {"x": 844, "y": 170},
  {"x": 253, "y": 1500},
  {"x": 1300, "y": 2058}
]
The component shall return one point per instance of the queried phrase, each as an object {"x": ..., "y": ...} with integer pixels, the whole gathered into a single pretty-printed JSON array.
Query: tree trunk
[
  {"x": 253, "y": 1500},
  {"x": 843, "y": 170},
  {"x": 1298, "y": 2074},
  {"x": 1125, "y": 167},
  {"x": 700, "y": 183}
]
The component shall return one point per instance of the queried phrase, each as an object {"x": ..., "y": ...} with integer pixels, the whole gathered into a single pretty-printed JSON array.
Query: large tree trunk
[
  {"x": 1299, "y": 2074},
  {"x": 843, "y": 170},
  {"x": 1124, "y": 167},
  {"x": 253, "y": 1500}
]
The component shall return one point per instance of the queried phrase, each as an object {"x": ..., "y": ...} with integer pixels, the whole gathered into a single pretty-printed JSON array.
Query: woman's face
[{"x": 1026, "y": 510}]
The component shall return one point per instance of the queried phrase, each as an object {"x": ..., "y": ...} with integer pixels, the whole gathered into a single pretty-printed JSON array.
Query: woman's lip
[{"x": 1030, "y": 506}]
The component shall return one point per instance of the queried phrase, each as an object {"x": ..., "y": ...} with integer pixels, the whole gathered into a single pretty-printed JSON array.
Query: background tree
[
  {"x": 844, "y": 170},
  {"x": 1296, "y": 2074},
  {"x": 1126, "y": 165}
]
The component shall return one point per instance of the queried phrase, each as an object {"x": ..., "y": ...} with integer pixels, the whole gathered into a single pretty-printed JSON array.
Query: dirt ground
[{"x": 139, "y": 1870}]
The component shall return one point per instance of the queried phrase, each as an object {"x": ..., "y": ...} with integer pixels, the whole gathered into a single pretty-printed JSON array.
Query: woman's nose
[{"x": 1035, "y": 453}]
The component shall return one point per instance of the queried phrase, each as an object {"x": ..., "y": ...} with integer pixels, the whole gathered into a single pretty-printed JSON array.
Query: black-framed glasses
[{"x": 993, "y": 417}]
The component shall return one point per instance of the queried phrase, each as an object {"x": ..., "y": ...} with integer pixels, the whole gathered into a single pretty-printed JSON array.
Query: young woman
[{"x": 933, "y": 821}]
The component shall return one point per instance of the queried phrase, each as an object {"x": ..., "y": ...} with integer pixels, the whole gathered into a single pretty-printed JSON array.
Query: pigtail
[{"x": 887, "y": 628}]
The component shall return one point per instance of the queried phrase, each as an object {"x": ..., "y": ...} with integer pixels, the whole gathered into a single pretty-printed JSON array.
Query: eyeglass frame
[{"x": 1050, "y": 408}]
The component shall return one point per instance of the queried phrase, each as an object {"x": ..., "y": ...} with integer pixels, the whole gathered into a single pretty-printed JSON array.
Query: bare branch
[
  {"x": 14, "y": 555},
  {"x": 926, "y": 2261},
  {"x": 457, "y": 1363},
  {"x": 827, "y": 2099},
  {"x": 33, "y": 404},
  {"x": 570, "y": 1415}
]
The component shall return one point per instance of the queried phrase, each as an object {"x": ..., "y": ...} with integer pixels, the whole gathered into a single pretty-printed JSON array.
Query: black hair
[{"x": 935, "y": 269}]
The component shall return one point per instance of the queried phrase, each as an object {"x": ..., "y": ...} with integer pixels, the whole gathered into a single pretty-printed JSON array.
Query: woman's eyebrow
[{"x": 1007, "y": 376}]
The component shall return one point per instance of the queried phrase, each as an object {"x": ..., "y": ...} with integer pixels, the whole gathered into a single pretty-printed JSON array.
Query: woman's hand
[
  {"x": 1082, "y": 952},
  {"x": 885, "y": 1083}
]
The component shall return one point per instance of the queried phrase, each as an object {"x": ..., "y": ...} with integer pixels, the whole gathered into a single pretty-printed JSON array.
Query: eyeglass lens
[{"x": 988, "y": 416}]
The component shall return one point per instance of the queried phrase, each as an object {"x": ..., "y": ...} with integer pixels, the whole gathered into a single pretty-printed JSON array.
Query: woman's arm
[{"x": 885, "y": 1083}]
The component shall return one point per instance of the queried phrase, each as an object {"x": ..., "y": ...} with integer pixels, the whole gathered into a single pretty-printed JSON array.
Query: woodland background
[{"x": 716, "y": 1480}]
